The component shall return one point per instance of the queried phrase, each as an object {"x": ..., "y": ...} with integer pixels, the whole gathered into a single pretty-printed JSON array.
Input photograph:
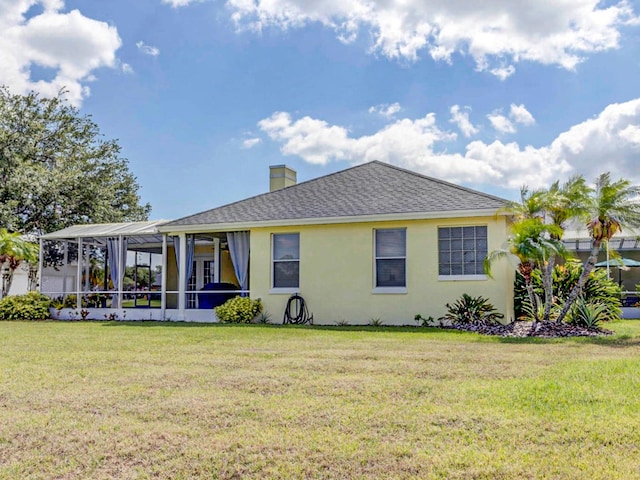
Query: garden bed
[{"x": 525, "y": 329}]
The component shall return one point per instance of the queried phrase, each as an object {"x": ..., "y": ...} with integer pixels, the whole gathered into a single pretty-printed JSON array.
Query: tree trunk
[
  {"x": 547, "y": 283},
  {"x": 33, "y": 277},
  {"x": 7, "y": 280},
  {"x": 534, "y": 302},
  {"x": 586, "y": 270}
]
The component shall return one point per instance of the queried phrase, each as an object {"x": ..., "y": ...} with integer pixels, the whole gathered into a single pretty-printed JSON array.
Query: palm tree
[
  {"x": 557, "y": 204},
  {"x": 531, "y": 204},
  {"x": 529, "y": 245},
  {"x": 611, "y": 206},
  {"x": 13, "y": 251},
  {"x": 561, "y": 203}
]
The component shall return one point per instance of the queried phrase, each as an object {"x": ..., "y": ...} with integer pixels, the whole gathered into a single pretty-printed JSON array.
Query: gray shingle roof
[{"x": 374, "y": 188}]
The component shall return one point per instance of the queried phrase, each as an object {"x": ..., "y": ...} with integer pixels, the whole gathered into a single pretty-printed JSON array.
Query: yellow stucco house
[{"x": 371, "y": 241}]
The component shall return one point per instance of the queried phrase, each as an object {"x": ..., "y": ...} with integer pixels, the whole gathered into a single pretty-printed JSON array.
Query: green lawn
[{"x": 150, "y": 400}]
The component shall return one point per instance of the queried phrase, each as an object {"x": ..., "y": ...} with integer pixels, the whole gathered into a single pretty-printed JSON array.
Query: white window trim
[
  {"x": 284, "y": 290},
  {"x": 462, "y": 278},
  {"x": 396, "y": 290},
  {"x": 389, "y": 290}
]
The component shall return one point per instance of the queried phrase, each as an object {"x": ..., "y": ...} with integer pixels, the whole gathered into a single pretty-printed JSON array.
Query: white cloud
[
  {"x": 461, "y": 119},
  {"x": 501, "y": 123},
  {"x": 609, "y": 141},
  {"x": 251, "y": 142},
  {"x": 502, "y": 72},
  {"x": 180, "y": 3},
  {"x": 496, "y": 34},
  {"x": 520, "y": 114},
  {"x": 71, "y": 45},
  {"x": 126, "y": 68},
  {"x": 147, "y": 49},
  {"x": 386, "y": 110}
]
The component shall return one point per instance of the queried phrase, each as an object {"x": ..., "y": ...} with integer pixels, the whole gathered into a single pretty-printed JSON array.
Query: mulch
[{"x": 525, "y": 329}]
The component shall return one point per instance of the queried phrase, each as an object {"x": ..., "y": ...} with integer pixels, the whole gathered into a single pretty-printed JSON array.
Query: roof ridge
[
  {"x": 276, "y": 191},
  {"x": 438, "y": 180}
]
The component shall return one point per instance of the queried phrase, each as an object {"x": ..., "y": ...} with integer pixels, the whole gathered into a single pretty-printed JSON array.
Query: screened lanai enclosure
[{"x": 133, "y": 271}]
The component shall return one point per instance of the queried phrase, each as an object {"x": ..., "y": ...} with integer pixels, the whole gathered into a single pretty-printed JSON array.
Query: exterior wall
[
  {"x": 227, "y": 273},
  {"x": 20, "y": 283},
  {"x": 337, "y": 269}
]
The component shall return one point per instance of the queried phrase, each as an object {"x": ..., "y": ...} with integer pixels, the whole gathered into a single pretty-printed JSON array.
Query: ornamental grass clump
[
  {"x": 239, "y": 310},
  {"x": 31, "y": 306},
  {"x": 586, "y": 314}
]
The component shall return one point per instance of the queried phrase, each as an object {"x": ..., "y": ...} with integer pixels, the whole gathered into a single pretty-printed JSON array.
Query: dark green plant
[
  {"x": 588, "y": 315},
  {"x": 239, "y": 310},
  {"x": 376, "y": 322},
  {"x": 424, "y": 322},
  {"x": 529, "y": 314},
  {"x": 264, "y": 317},
  {"x": 31, "y": 306},
  {"x": 468, "y": 310},
  {"x": 598, "y": 288}
]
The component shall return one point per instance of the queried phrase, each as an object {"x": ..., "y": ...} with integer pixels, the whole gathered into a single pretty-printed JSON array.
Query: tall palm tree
[
  {"x": 611, "y": 206},
  {"x": 529, "y": 245},
  {"x": 13, "y": 251},
  {"x": 556, "y": 205},
  {"x": 561, "y": 203}
]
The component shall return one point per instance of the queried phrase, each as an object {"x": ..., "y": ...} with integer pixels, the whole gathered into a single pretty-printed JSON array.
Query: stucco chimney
[{"x": 281, "y": 176}]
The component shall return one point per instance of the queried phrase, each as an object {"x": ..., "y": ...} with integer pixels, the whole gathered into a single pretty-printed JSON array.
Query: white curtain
[
  {"x": 115, "y": 270},
  {"x": 191, "y": 248},
  {"x": 239, "y": 252}
]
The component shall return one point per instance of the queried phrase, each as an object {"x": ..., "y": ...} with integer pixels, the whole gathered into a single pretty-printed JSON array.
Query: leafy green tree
[
  {"x": 610, "y": 207},
  {"x": 56, "y": 169},
  {"x": 14, "y": 250},
  {"x": 142, "y": 276}
]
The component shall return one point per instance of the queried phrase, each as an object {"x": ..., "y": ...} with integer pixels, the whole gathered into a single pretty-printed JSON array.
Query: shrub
[
  {"x": 70, "y": 301},
  {"x": 528, "y": 310},
  {"x": 588, "y": 315},
  {"x": 468, "y": 310},
  {"x": 598, "y": 289},
  {"x": 31, "y": 306},
  {"x": 239, "y": 310}
]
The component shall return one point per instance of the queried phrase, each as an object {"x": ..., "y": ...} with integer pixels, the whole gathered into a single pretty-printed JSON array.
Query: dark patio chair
[{"x": 209, "y": 299}]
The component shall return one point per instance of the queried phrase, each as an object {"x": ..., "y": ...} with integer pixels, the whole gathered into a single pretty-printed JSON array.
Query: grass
[{"x": 152, "y": 400}]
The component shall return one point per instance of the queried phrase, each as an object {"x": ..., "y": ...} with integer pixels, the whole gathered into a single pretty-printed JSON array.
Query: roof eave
[{"x": 236, "y": 226}]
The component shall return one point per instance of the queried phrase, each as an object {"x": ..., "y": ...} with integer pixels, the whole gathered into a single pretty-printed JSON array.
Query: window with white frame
[
  {"x": 286, "y": 260},
  {"x": 461, "y": 250},
  {"x": 390, "y": 252}
]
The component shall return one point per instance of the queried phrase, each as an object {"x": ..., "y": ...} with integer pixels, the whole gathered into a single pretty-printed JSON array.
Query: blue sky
[{"x": 204, "y": 95}]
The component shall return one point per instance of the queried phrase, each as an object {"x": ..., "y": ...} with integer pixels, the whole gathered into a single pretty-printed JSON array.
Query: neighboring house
[
  {"x": 52, "y": 277},
  {"x": 372, "y": 241}
]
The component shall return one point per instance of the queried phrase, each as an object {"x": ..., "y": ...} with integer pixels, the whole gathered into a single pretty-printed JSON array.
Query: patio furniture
[{"x": 215, "y": 294}]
